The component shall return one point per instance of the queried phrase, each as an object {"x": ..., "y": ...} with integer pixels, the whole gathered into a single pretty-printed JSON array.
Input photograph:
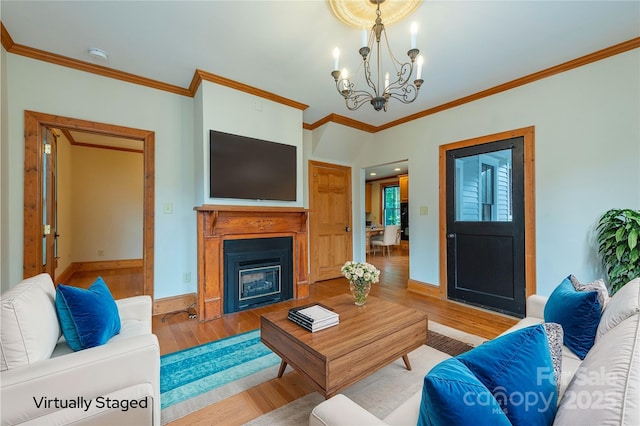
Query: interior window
[{"x": 391, "y": 203}]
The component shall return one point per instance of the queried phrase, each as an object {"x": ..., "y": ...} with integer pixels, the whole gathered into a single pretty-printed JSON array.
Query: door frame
[
  {"x": 528, "y": 134},
  {"x": 33, "y": 123}
]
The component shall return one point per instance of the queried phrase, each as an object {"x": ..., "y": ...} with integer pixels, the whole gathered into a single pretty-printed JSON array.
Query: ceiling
[{"x": 285, "y": 47}]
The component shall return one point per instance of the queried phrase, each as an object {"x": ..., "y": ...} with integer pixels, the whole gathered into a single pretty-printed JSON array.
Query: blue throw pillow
[
  {"x": 578, "y": 312},
  {"x": 518, "y": 370},
  {"x": 452, "y": 395},
  {"x": 88, "y": 318}
]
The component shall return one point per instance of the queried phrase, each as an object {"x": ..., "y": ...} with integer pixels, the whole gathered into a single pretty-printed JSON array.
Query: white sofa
[
  {"x": 44, "y": 382},
  {"x": 604, "y": 388}
]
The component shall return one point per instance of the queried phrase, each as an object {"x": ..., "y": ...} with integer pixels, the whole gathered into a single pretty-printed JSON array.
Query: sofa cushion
[
  {"x": 606, "y": 388},
  {"x": 578, "y": 312},
  {"x": 453, "y": 395},
  {"x": 30, "y": 328},
  {"x": 89, "y": 317},
  {"x": 622, "y": 305},
  {"x": 597, "y": 285},
  {"x": 519, "y": 371}
]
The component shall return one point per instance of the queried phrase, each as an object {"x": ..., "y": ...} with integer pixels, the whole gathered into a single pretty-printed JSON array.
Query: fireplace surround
[{"x": 217, "y": 224}]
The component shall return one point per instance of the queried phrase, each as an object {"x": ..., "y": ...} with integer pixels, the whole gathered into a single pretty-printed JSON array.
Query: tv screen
[{"x": 252, "y": 169}]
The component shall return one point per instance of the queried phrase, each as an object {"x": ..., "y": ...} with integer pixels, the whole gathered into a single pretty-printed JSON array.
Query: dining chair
[{"x": 390, "y": 238}]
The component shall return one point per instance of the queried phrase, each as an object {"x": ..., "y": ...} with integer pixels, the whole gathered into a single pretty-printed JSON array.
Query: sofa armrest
[
  {"x": 535, "y": 306},
  {"x": 88, "y": 373},
  {"x": 135, "y": 308},
  {"x": 341, "y": 411}
]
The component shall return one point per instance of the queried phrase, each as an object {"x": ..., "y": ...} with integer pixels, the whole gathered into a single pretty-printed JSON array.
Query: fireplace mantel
[{"x": 219, "y": 223}]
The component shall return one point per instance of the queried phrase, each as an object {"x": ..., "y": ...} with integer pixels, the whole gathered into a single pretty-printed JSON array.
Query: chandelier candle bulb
[
  {"x": 419, "y": 71},
  {"x": 364, "y": 38},
  {"x": 336, "y": 57},
  {"x": 414, "y": 33},
  {"x": 386, "y": 81}
]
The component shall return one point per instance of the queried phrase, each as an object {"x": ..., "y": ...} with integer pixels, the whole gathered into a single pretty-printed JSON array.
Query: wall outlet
[
  {"x": 424, "y": 210},
  {"x": 167, "y": 208},
  {"x": 100, "y": 253},
  {"x": 186, "y": 277}
]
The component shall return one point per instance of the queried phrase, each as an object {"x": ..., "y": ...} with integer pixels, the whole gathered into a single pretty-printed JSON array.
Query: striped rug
[{"x": 195, "y": 371}]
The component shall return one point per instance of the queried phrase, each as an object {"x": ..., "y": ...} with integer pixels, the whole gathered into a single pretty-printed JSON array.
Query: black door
[{"x": 485, "y": 225}]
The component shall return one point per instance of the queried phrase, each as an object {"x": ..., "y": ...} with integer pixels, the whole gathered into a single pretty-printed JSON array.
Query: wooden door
[
  {"x": 49, "y": 203},
  {"x": 330, "y": 234}
]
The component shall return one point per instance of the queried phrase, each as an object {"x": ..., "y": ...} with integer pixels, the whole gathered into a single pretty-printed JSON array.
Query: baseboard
[
  {"x": 173, "y": 304},
  {"x": 98, "y": 265},
  {"x": 66, "y": 274},
  {"x": 425, "y": 289}
]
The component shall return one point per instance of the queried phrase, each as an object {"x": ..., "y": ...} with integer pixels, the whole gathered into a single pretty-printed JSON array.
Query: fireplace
[
  {"x": 220, "y": 225},
  {"x": 257, "y": 272}
]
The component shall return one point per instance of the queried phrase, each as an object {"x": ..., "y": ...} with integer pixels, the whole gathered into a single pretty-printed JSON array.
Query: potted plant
[{"x": 618, "y": 231}]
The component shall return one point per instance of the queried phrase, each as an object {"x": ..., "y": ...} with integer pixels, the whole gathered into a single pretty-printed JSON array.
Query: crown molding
[{"x": 200, "y": 75}]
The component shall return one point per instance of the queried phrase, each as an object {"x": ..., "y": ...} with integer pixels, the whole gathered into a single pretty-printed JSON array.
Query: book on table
[{"x": 314, "y": 317}]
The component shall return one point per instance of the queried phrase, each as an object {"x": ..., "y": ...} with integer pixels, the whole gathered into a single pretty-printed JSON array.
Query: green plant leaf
[
  {"x": 632, "y": 239},
  {"x": 620, "y": 252},
  {"x": 619, "y": 234}
]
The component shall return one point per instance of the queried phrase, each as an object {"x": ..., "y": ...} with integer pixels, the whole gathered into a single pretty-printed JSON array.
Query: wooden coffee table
[{"x": 367, "y": 338}]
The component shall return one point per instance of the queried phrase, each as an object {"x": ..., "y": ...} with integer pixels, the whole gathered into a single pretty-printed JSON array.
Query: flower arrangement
[
  {"x": 360, "y": 272},
  {"x": 360, "y": 275}
]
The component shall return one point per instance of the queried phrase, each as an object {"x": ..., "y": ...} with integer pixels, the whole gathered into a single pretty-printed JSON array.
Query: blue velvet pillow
[
  {"x": 452, "y": 395},
  {"x": 578, "y": 312},
  {"x": 88, "y": 318},
  {"x": 518, "y": 370}
]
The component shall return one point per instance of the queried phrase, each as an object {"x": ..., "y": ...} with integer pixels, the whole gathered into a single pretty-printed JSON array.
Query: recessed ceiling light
[
  {"x": 99, "y": 54},
  {"x": 372, "y": 174},
  {"x": 397, "y": 169}
]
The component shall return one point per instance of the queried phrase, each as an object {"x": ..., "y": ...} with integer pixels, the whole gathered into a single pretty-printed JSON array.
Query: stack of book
[{"x": 314, "y": 317}]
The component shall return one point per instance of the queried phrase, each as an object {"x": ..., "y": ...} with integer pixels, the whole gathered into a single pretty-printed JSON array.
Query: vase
[{"x": 360, "y": 292}]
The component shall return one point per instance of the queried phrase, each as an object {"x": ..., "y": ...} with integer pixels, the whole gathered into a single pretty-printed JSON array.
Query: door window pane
[{"x": 483, "y": 187}]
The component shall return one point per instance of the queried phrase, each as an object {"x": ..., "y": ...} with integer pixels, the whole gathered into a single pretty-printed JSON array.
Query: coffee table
[{"x": 367, "y": 338}]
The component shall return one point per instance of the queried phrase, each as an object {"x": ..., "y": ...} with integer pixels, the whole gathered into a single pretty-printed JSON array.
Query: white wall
[
  {"x": 587, "y": 156},
  {"x": 43, "y": 87},
  {"x": 107, "y": 187},
  {"x": 587, "y": 149},
  {"x": 228, "y": 110}
]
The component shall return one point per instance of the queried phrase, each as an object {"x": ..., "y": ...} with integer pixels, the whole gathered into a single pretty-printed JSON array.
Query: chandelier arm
[
  {"x": 409, "y": 94},
  {"x": 403, "y": 76}
]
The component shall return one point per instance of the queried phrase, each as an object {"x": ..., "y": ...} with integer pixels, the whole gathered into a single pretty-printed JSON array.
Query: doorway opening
[
  {"x": 387, "y": 204},
  {"x": 36, "y": 126}
]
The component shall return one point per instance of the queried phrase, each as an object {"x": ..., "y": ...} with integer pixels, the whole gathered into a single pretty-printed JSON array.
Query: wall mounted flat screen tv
[{"x": 251, "y": 169}]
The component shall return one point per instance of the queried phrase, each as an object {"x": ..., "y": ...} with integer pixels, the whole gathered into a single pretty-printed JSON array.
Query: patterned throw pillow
[
  {"x": 554, "y": 339},
  {"x": 597, "y": 285}
]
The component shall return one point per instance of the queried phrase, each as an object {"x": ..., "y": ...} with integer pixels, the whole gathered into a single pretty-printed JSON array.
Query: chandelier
[{"x": 402, "y": 88}]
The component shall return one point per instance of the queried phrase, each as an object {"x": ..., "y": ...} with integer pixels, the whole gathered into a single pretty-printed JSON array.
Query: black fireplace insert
[{"x": 257, "y": 272}]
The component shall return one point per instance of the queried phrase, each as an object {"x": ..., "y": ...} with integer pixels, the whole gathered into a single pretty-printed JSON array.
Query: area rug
[
  {"x": 197, "y": 377},
  {"x": 193, "y": 378}
]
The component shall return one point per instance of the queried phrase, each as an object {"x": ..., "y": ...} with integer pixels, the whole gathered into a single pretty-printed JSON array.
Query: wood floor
[{"x": 177, "y": 331}]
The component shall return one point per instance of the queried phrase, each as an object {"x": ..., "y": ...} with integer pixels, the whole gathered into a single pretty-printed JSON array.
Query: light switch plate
[
  {"x": 167, "y": 208},
  {"x": 424, "y": 210}
]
